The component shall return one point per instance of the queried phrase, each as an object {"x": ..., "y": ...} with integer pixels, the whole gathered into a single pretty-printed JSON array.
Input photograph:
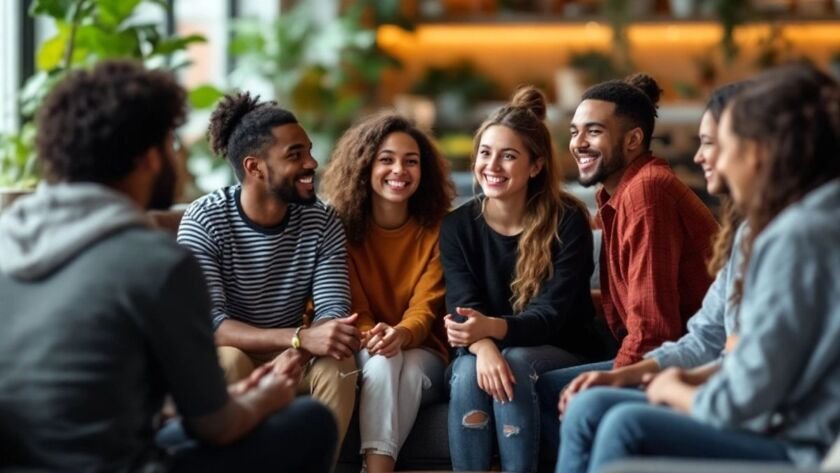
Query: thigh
[
  {"x": 326, "y": 370},
  {"x": 235, "y": 363},
  {"x": 644, "y": 429},
  {"x": 541, "y": 358},
  {"x": 423, "y": 362},
  {"x": 551, "y": 383}
]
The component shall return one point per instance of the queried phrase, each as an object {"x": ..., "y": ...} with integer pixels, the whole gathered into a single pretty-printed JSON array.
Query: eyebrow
[
  {"x": 386, "y": 150},
  {"x": 296, "y": 147},
  {"x": 590, "y": 124},
  {"x": 503, "y": 149}
]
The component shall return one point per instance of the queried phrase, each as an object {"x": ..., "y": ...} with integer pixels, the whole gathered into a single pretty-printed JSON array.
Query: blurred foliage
[
  {"x": 86, "y": 31},
  {"x": 461, "y": 79},
  {"x": 596, "y": 66},
  {"x": 325, "y": 70}
]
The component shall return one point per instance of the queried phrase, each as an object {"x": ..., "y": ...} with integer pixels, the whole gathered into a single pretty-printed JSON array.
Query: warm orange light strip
[{"x": 590, "y": 35}]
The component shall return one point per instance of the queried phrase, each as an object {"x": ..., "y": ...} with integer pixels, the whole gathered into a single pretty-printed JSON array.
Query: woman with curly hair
[
  {"x": 517, "y": 261},
  {"x": 390, "y": 186},
  {"x": 775, "y": 395}
]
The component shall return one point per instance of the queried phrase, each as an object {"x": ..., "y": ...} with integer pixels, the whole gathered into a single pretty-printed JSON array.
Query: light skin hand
[
  {"x": 476, "y": 326},
  {"x": 386, "y": 340},
  {"x": 337, "y": 338},
  {"x": 626, "y": 376},
  {"x": 492, "y": 371},
  {"x": 669, "y": 388}
]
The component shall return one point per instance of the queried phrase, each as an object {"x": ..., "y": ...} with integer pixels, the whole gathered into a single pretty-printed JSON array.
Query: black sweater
[{"x": 479, "y": 264}]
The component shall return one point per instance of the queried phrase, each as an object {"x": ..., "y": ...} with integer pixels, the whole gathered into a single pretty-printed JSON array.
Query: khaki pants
[{"x": 330, "y": 381}]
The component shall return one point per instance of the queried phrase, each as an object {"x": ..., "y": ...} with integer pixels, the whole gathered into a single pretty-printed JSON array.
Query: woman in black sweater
[{"x": 517, "y": 262}]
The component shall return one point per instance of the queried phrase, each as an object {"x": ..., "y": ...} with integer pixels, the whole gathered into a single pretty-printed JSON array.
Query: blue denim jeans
[
  {"x": 581, "y": 420},
  {"x": 548, "y": 388},
  {"x": 633, "y": 429},
  {"x": 514, "y": 425},
  {"x": 301, "y": 437}
]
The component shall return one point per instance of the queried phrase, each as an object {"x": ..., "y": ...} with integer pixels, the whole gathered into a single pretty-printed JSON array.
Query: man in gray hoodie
[{"x": 102, "y": 317}]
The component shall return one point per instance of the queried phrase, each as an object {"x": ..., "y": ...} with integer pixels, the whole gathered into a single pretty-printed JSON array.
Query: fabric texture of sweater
[
  {"x": 783, "y": 377},
  {"x": 479, "y": 265},
  {"x": 396, "y": 277},
  {"x": 657, "y": 238}
]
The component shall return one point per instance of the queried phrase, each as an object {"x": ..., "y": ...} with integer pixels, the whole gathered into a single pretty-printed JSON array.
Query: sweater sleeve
[
  {"x": 426, "y": 301},
  {"x": 358, "y": 297},
  {"x": 782, "y": 315},
  {"x": 547, "y": 313},
  {"x": 652, "y": 311},
  {"x": 462, "y": 289},
  {"x": 194, "y": 235},
  {"x": 330, "y": 285}
]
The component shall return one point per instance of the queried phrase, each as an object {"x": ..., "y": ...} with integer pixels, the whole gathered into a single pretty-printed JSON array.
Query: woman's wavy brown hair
[
  {"x": 793, "y": 113},
  {"x": 545, "y": 199},
  {"x": 346, "y": 183}
]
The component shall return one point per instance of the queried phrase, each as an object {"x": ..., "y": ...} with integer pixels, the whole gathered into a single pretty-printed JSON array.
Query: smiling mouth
[
  {"x": 306, "y": 179},
  {"x": 495, "y": 179},
  {"x": 583, "y": 160},
  {"x": 397, "y": 185}
]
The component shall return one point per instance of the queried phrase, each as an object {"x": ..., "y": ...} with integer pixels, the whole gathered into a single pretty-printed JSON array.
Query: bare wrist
[{"x": 498, "y": 328}]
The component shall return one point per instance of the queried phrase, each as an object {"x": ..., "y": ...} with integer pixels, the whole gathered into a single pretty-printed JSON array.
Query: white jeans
[{"x": 393, "y": 389}]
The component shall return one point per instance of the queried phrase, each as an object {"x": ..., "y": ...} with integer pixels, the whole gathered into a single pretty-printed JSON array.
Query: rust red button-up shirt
[{"x": 657, "y": 238}]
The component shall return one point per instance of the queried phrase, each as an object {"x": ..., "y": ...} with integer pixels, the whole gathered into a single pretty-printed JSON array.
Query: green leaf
[
  {"x": 58, "y": 9},
  {"x": 113, "y": 12},
  {"x": 51, "y": 52},
  {"x": 104, "y": 44},
  {"x": 173, "y": 45},
  {"x": 204, "y": 96}
]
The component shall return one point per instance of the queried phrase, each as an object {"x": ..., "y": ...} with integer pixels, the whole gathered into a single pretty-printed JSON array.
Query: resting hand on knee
[{"x": 493, "y": 373}]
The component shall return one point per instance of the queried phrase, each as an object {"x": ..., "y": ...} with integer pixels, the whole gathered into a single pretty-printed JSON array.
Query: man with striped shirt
[{"x": 267, "y": 246}]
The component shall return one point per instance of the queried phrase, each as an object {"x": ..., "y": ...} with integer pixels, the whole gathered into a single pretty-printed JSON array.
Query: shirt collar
[{"x": 604, "y": 199}]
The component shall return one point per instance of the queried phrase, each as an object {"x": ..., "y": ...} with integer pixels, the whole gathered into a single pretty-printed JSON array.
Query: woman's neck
[
  {"x": 505, "y": 216},
  {"x": 389, "y": 215}
]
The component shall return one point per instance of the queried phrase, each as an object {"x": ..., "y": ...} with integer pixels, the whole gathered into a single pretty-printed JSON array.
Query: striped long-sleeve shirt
[{"x": 265, "y": 276}]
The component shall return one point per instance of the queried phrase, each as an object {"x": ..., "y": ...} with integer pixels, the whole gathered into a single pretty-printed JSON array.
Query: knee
[
  {"x": 380, "y": 367},
  {"x": 623, "y": 420},
  {"x": 314, "y": 421},
  {"x": 519, "y": 360},
  {"x": 341, "y": 374},
  {"x": 475, "y": 419}
]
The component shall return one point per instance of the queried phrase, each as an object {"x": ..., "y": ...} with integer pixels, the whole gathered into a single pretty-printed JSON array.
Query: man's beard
[
  {"x": 163, "y": 192},
  {"x": 287, "y": 191},
  {"x": 605, "y": 167}
]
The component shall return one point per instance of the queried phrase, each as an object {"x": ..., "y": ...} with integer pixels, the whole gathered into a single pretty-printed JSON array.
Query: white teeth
[
  {"x": 495, "y": 179},
  {"x": 586, "y": 160},
  {"x": 396, "y": 184},
  {"x": 305, "y": 180}
]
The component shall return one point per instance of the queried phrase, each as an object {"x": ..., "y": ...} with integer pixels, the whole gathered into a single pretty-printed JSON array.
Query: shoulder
[
  {"x": 214, "y": 206},
  {"x": 462, "y": 217},
  {"x": 320, "y": 212},
  {"x": 144, "y": 254}
]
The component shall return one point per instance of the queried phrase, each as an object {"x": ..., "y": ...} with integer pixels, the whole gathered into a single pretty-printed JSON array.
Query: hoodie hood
[{"x": 40, "y": 232}]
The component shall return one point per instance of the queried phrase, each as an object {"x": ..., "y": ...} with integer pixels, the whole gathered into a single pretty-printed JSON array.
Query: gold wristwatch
[{"x": 296, "y": 343}]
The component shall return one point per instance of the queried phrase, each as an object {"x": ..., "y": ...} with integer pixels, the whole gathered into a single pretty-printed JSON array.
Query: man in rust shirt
[{"x": 656, "y": 232}]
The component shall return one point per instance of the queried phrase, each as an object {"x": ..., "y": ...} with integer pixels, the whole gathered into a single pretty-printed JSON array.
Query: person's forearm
[
  {"x": 632, "y": 374},
  {"x": 477, "y": 346},
  {"x": 248, "y": 338},
  {"x": 498, "y": 327}
]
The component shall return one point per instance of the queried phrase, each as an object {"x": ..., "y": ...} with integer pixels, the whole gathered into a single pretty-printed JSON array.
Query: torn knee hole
[
  {"x": 510, "y": 430},
  {"x": 475, "y": 419}
]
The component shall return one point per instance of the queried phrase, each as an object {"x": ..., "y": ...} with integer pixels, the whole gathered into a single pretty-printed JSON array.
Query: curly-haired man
[{"x": 103, "y": 317}]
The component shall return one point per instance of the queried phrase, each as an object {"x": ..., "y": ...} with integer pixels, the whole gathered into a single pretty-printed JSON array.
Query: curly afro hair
[
  {"x": 241, "y": 126},
  {"x": 95, "y": 123}
]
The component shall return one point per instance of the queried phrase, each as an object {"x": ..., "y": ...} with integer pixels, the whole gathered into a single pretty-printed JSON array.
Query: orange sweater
[{"x": 396, "y": 277}]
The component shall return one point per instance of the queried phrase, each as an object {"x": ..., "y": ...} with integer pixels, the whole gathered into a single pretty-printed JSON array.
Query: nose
[
  {"x": 398, "y": 167},
  {"x": 698, "y": 156},
  {"x": 577, "y": 141},
  {"x": 310, "y": 162},
  {"x": 495, "y": 161}
]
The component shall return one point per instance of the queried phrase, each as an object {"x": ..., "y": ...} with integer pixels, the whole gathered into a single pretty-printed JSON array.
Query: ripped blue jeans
[{"x": 477, "y": 422}]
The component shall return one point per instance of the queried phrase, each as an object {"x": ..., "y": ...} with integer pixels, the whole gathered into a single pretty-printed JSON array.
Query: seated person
[
  {"x": 516, "y": 262},
  {"x": 266, "y": 246},
  {"x": 708, "y": 329},
  {"x": 775, "y": 395},
  {"x": 103, "y": 317},
  {"x": 390, "y": 186}
]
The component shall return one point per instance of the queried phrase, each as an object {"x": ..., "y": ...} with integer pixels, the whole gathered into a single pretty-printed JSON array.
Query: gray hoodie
[{"x": 40, "y": 232}]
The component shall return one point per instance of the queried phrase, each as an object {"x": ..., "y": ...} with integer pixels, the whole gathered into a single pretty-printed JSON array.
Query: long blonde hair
[{"x": 545, "y": 200}]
